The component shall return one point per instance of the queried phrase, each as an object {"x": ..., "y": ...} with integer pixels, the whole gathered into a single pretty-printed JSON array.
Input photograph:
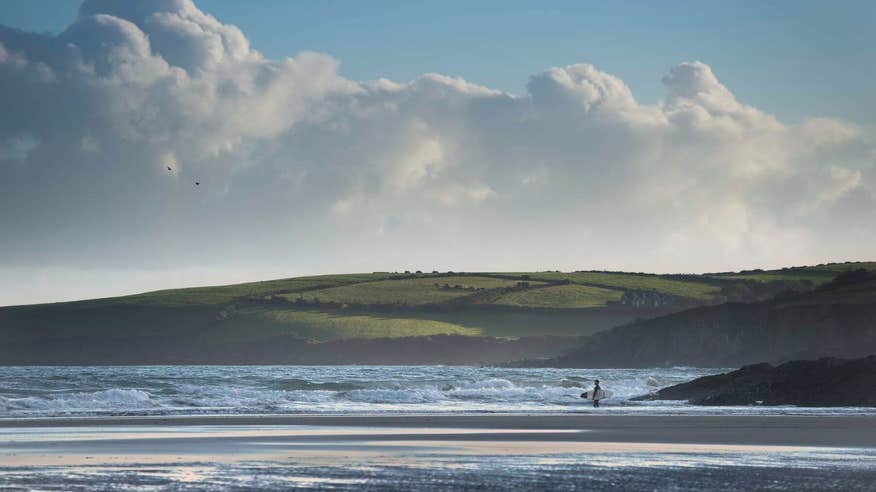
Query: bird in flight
[
  {"x": 197, "y": 183},
  {"x": 169, "y": 169}
]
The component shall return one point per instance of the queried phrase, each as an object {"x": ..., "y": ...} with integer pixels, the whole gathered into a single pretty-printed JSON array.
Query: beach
[
  {"x": 409, "y": 428},
  {"x": 837, "y": 431},
  {"x": 430, "y": 451}
]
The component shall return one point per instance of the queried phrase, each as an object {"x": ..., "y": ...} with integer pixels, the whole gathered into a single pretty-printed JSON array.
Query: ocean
[
  {"x": 28, "y": 392},
  {"x": 633, "y": 445}
]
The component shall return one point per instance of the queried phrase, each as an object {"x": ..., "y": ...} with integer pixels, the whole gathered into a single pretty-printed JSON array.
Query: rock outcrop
[{"x": 826, "y": 382}]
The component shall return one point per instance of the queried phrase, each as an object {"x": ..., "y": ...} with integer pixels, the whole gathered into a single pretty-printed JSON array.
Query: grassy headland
[{"x": 381, "y": 305}]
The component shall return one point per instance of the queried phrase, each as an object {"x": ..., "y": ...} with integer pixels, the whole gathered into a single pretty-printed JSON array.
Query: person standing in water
[{"x": 597, "y": 394}]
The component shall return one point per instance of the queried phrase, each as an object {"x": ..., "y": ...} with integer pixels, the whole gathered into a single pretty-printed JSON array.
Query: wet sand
[
  {"x": 440, "y": 452},
  {"x": 831, "y": 431}
]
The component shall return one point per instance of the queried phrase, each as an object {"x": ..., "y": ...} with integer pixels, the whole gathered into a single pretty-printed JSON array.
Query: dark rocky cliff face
[
  {"x": 837, "y": 320},
  {"x": 824, "y": 382}
]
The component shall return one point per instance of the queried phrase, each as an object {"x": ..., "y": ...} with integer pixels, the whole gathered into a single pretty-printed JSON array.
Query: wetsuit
[{"x": 596, "y": 400}]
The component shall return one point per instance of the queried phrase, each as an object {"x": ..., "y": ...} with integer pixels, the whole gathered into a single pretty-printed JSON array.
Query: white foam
[
  {"x": 115, "y": 398},
  {"x": 63, "y": 391}
]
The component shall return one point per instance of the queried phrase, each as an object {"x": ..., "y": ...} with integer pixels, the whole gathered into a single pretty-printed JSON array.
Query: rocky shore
[{"x": 824, "y": 382}]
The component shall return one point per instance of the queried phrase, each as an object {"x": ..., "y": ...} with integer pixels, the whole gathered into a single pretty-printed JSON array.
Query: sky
[{"x": 358, "y": 136}]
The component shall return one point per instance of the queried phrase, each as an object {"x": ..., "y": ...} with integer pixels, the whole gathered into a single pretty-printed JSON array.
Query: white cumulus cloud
[{"x": 305, "y": 170}]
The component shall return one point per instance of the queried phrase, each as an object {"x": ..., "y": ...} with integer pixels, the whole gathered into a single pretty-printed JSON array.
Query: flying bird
[
  {"x": 197, "y": 183},
  {"x": 169, "y": 169}
]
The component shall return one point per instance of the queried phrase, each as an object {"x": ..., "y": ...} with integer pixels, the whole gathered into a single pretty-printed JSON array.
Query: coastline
[
  {"x": 441, "y": 452},
  {"x": 832, "y": 431}
]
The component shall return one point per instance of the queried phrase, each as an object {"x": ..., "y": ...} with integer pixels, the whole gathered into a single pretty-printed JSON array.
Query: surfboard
[{"x": 600, "y": 395}]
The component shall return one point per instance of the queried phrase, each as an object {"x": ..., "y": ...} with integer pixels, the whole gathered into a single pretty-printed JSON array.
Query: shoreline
[
  {"x": 784, "y": 430},
  {"x": 441, "y": 452}
]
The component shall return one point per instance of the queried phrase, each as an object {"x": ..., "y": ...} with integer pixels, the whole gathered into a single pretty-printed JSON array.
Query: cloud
[{"x": 306, "y": 170}]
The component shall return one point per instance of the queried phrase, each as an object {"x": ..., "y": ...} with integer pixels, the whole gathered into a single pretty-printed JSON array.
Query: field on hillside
[
  {"x": 419, "y": 289},
  {"x": 813, "y": 276},
  {"x": 384, "y": 304},
  {"x": 412, "y": 292},
  {"x": 632, "y": 281},
  {"x": 317, "y": 325},
  {"x": 227, "y": 293},
  {"x": 570, "y": 296}
]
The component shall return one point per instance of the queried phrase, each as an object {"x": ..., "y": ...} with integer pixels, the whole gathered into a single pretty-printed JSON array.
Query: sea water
[
  {"x": 179, "y": 463},
  {"x": 234, "y": 390}
]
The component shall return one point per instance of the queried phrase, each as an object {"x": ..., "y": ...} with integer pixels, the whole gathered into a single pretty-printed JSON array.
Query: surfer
[{"x": 597, "y": 394}]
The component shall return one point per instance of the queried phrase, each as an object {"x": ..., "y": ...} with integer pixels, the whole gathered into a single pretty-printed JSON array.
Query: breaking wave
[{"x": 193, "y": 390}]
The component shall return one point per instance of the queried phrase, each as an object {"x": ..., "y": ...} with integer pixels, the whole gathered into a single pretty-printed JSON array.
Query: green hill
[
  {"x": 836, "y": 319},
  {"x": 381, "y": 305},
  {"x": 691, "y": 287},
  {"x": 418, "y": 291}
]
